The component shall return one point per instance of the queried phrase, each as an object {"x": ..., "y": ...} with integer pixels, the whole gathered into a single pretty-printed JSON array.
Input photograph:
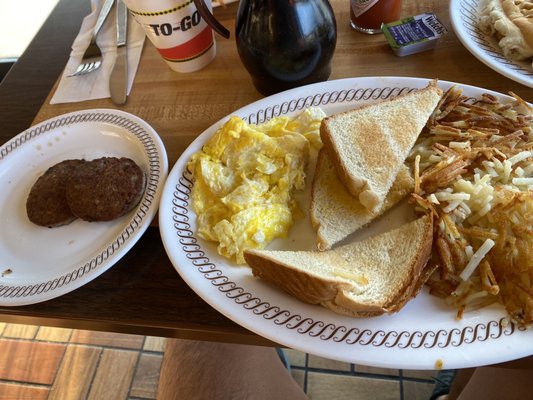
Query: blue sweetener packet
[{"x": 414, "y": 34}]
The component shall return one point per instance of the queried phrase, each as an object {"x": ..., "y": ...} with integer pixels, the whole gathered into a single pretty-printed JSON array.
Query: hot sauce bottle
[{"x": 367, "y": 15}]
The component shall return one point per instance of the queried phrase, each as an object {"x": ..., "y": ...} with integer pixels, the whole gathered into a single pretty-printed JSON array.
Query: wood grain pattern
[
  {"x": 28, "y": 361},
  {"x": 146, "y": 377},
  {"x": 181, "y": 106},
  {"x": 108, "y": 339},
  {"x": 114, "y": 375},
  {"x": 48, "y": 334},
  {"x": 152, "y": 343},
  {"x": 76, "y": 373},
  {"x": 20, "y": 331},
  {"x": 23, "y": 392},
  {"x": 142, "y": 294}
]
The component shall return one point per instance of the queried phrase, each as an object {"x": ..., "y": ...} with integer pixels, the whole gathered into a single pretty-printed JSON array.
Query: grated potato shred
[{"x": 473, "y": 167}]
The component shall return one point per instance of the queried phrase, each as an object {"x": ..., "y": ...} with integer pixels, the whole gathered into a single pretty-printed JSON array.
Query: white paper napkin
[{"x": 95, "y": 85}]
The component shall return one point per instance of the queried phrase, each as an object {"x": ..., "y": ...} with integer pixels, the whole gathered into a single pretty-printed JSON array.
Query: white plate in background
[
  {"x": 464, "y": 16},
  {"x": 48, "y": 262}
]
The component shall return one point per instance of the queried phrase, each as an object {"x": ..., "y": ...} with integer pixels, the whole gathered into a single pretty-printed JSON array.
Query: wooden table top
[{"x": 143, "y": 293}]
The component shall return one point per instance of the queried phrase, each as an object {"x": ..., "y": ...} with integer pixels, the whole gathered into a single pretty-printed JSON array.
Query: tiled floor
[{"x": 53, "y": 363}]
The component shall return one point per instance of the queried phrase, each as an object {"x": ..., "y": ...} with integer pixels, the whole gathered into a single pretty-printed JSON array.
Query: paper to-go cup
[{"x": 175, "y": 28}]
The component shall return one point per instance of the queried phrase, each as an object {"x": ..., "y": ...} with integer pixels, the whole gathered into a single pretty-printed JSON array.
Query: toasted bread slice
[
  {"x": 395, "y": 304},
  {"x": 368, "y": 145},
  {"x": 371, "y": 277},
  {"x": 335, "y": 213}
]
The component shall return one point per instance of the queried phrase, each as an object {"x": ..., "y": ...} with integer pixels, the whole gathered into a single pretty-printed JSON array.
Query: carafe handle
[{"x": 210, "y": 19}]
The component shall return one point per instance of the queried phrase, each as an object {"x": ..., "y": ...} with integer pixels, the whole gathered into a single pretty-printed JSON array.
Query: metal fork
[{"x": 92, "y": 58}]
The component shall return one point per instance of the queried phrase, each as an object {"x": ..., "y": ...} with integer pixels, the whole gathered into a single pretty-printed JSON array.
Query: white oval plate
[
  {"x": 464, "y": 15},
  {"x": 47, "y": 263},
  {"x": 423, "y": 335}
]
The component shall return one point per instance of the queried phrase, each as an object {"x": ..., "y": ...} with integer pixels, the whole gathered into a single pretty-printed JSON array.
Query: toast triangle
[
  {"x": 368, "y": 145},
  {"x": 335, "y": 213},
  {"x": 371, "y": 277}
]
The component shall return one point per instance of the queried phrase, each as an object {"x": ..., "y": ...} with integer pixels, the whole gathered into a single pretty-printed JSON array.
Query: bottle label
[{"x": 361, "y": 6}]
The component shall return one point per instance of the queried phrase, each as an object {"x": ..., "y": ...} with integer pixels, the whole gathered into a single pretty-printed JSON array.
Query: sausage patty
[
  {"x": 105, "y": 189},
  {"x": 46, "y": 204}
]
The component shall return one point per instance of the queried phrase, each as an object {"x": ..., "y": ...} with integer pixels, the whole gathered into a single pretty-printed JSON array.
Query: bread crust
[
  {"x": 403, "y": 292},
  {"x": 333, "y": 292},
  {"x": 335, "y": 213},
  {"x": 401, "y": 300},
  {"x": 354, "y": 186},
  {"x": 378, "y": 151},
  {"x": 304, "y": 285}
]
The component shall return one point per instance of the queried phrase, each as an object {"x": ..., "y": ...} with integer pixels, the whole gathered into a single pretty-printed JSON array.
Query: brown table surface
[{"x": 142, "y": 293}]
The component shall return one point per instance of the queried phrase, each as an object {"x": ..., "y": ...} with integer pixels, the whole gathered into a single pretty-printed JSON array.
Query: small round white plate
[
  {"x": 423, "y": 335},
  {"x": 464, "y": 15},
  {"x": 38, "y": 263}
]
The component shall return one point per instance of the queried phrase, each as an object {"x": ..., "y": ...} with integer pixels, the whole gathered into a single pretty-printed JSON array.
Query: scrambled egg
[{"x": 244, "y": 180}]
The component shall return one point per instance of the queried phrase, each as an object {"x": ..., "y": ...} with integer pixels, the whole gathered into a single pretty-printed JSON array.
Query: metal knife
[
  {"x": 118, "y": 81},
  {"x": 103, "y": 15}
]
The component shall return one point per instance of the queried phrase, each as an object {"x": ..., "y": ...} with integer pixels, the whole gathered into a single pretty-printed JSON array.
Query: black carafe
[{"x": 285, "y": 43}]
